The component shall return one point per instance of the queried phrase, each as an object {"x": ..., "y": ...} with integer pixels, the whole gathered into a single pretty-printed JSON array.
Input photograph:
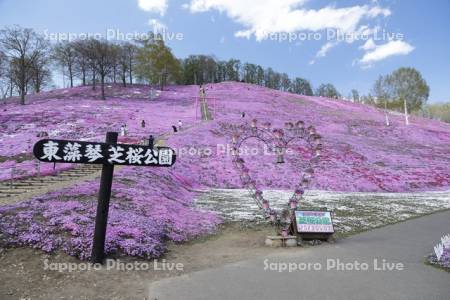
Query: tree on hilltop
[
  {"x": 302, "y": 86},
  {"x": 327, "y": 90},
  {"x": 404, "y": 89},
  {"x": 65, "y": 55},
  {"x": 25, "y": 50},
  {"x": 155, "y": 62}
]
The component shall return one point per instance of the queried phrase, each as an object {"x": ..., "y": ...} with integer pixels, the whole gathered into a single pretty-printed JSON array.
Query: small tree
[
  {"x": 23, "y": 47},
  {"x": 438, "y": 111},
  {"x": 382, "y": 93},
  {"x": 82, "y": 60},
  {"x": 302, "y": 86},
  {"x": 123, "y": 64},
  {"x": 103, "y": 55},
  {"x": 285, "y": 82},
  {"x": 403, "y": 89},
  {"x": 355, "y": 95},
  {"x": 131, "y": 51},
  {"x": 4, "y": 75},
  {"x": 87, "y": 51},
  {"x": 328, "y": 90},
  {"x": 233, "y": 67},
  {"x": 41, "y": 75},
  {"x": 156, "y": 63},
  {"x": 65, "y": 55},
  {"x": 259, "y": 75}
]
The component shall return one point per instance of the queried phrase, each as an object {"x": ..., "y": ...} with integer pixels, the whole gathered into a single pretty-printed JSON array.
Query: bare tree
[
  {"x": 4, "y": 75},
  {"x": 2, "y": 64},
  {"x": 123, "y": 64},
  {"x": 103, "y": 57},
  {"x": 23, "y": 47},
  {"x": 87, "y": 51},
  {"x": 41, "y": 75},
  {"x": 115, "y": 54},
  {"x": 81, "y": 60},
  {"x": 131, "y": 51},
  {"x": 66, "y": 56}
]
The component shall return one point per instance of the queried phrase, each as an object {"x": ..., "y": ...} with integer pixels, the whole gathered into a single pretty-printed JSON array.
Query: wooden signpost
[{"x": 108, "y": 154}]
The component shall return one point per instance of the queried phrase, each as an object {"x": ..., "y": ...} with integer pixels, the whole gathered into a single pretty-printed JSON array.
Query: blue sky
[{"x": 253, "y": 30}]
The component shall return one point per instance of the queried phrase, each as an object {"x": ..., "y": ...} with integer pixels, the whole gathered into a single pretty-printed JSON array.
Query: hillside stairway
[{"x": 21, "y": 189}]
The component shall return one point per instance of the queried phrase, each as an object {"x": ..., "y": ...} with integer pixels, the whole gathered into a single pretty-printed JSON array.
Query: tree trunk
[
  {"x": 22, "y": 95},
  {"x": 11, "y": 86},
  {"x": 37, "y": 85},
  {"x": 131, "y": 73},
  {"x": 124, "y": 79},
  {"x": 103, "y": 86},
  {"x": 71, "y": 76},
  {"x": 83, "y": 71},
  {"x": 93, "y": 79},
  {"x": 22, "y": 81},
  {"x": 386, "y": 113},
  {"x": 406, "y": 112}
]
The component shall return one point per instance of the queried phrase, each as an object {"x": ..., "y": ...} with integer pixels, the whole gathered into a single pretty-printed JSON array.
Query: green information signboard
[{"x": 311, "y": 221}]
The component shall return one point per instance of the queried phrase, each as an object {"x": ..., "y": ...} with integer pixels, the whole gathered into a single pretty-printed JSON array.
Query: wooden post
[
  {"x": 38, "y": 168},
  {"x": 151, "y": 141},
  {"x": 101, "y": 220}
]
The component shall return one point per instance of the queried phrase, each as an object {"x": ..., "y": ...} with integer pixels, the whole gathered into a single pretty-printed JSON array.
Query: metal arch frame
[{"x": 246, "y": 132}]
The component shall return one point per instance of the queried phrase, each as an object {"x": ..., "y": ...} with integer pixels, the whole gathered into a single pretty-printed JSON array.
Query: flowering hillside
[
  {"x": 151, "y": 206},
  {"x": 360, "y": 152}
]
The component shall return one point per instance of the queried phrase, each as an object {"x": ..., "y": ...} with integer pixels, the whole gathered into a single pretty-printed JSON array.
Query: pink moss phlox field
[
  {"x": 360, "y": 152},
  {"x": 77, "y": 114},
  {"x": 151, "y": 206},
  {"x": 148, "y": 208},
  {"x": 17, "y": 170}
]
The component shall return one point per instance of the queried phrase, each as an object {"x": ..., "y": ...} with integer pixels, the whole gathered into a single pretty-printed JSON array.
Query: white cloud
[
  {"x": 323, "y": 51},
  {"x": 368, "y": 45},
  {"x": 157, "y": 26},
  {"x": 325, "y": 48},
  {"x": 263, "y": 17},
  {"x": 156, "y": 6},
  {"x": 376, "y": 53}
]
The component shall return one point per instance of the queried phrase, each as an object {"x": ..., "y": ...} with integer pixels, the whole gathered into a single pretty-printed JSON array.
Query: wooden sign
[
  {"x": 312, "y": 221},
  {"x": 108, "y": 154},
  {"x": 62, "y": 151}
]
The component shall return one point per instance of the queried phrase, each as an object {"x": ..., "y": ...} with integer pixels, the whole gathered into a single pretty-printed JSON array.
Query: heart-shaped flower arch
[{"x": 277, "y": 141}]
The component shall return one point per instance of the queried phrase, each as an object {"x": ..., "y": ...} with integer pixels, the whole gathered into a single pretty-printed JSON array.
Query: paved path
[{"x": 406, "y": 243}]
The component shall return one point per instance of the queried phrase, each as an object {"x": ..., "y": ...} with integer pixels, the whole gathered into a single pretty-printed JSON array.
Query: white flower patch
[
  {"x": 439, "y": 251},
  {"x": 445, "y": 241}
]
